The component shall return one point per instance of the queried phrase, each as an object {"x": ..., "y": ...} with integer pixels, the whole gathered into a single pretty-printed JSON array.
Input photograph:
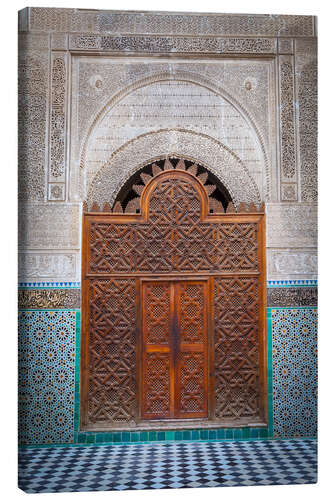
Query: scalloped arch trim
[{"x": 186, "y": 144}]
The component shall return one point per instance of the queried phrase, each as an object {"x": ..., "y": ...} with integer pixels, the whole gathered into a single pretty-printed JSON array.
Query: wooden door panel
[
  {"x": 157, "y": 395},
  {"x": 157, "y": 354},
  {"x": 236, "y": 347},
  {"x": 192, "y": 368},
  {"x": 174, "y": 355},
  {"x": 192, "y": 363}
]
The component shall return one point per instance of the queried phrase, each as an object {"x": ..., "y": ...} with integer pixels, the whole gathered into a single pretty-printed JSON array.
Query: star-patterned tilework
[
  {"x": 46, "y": 376},
  {"x": 47, "y": 367},
  {"x": 167, "y": 465},
  {"x": 294, "y": 351}
]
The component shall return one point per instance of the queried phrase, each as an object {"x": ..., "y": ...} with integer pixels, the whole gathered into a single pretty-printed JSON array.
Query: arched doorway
[{"x": 173, "y": 305}]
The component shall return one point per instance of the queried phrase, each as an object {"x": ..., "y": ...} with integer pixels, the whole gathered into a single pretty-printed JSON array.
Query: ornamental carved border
[
  {"x": 292, "y": 297},
  {"x": 167, "y": 44},
  {"x": 49, "y": 299},
  {"x": 288, "y": 150},
  {"x": 57, "y": 137},
  {"x": 216, "y": 158},
  {"x": 170, "y": 23}
]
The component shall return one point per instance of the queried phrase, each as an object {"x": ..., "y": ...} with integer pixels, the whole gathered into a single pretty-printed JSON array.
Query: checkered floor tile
[{"x": 167, "y": 465}]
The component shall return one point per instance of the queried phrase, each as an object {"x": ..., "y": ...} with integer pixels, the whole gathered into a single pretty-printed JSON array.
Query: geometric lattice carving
[
  {"x": 111, "y": 392},
  {"x": 173, "y": 239},
  {"x": 157, "y": 312},
  {"x": 157, "y": 387},
  {"x": 174, "y": 201},
  {"x": 192, "y": 376},
  {"x": 157, "y": 355},
  {"x": 216, "y": 206},
  {"x": 191, "y": 313},
  {"x": 164, "y": 248},
  {"x": 191, "y": 300},
  {"x": 236, "y": 348}
]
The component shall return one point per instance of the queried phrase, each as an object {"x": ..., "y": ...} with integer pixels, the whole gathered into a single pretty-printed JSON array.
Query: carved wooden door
[
  {"x": 174, "y": 349},
  {"x": 173, "y": 299}
]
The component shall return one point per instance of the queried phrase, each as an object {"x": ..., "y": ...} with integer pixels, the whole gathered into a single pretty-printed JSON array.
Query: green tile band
[{"x": 77, "y": 372}]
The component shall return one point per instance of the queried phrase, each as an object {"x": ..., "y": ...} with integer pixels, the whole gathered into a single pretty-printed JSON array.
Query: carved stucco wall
[
  {"x": 227, "y": 103},
  {"x": 236, "y": 93}
]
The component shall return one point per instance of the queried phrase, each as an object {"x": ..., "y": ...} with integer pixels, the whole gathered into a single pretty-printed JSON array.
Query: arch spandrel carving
[
  {"x": 91, "y": 164},
  {"x": 216, "y": 157}
]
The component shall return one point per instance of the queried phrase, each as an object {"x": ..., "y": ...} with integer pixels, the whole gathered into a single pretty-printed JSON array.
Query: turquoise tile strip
[
  {"x": 292, "y": 283},
  {"x": 77, "y": 374},
  {"x": 270, "y": 429},
  {"x": 50, "y": 284}
]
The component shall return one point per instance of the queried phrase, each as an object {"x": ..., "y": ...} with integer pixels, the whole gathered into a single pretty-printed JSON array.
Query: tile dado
[
  {"x": 49, "y": 389},
  {"x": 49, "y": 299},
  {"x": 294, "y": 355},
  {"x": 47, "y": 376},
  {"x": 49, "y": 379}
]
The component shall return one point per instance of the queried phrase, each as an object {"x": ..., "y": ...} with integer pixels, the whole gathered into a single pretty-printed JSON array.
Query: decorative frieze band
[
  {"x": 289, "y": 264},
  {"x": 178, "y": 44},
  {"x": 168, "y": 23},
  {"x": 70, "y": 298},
  {"x": 292, "y": 297},
  {"x": 48, "y": 265},
  {"x": 49, "y": 299}
]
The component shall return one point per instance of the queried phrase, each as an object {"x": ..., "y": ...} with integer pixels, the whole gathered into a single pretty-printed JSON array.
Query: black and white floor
[{"x": 167, "y": 465}]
